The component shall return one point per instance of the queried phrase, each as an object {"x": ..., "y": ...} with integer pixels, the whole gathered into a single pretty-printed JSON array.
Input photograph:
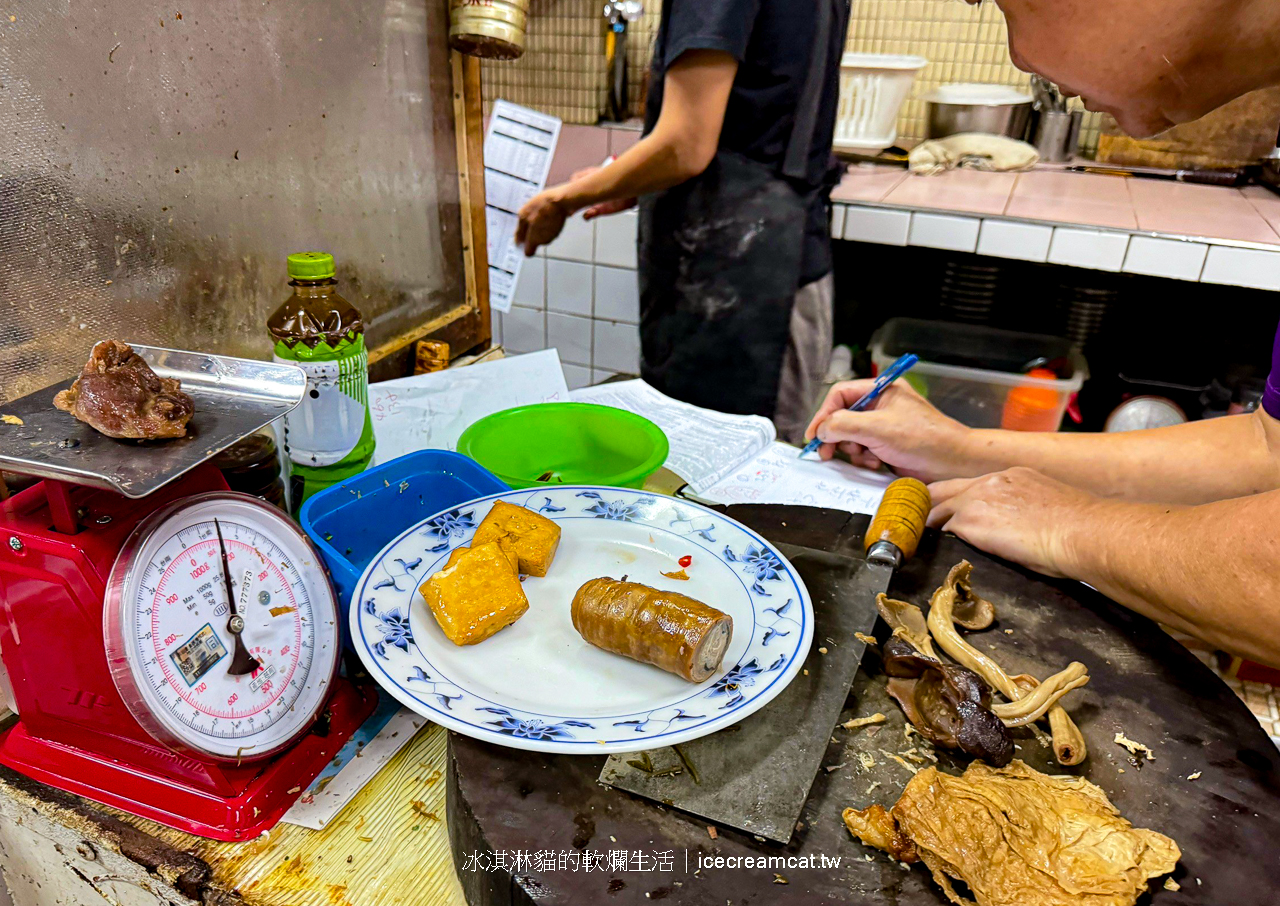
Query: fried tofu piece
[
  {"x": 533, "y": 536},
  {"x": 505, "y": 543},
  {"x": 477, "y": 594}
]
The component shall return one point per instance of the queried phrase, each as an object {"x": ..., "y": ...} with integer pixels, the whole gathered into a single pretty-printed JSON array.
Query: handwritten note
[
  {"x": 778, "y": 475},
  {"x": 430, "y": 411},
  {"x": 737, "y": 459}
]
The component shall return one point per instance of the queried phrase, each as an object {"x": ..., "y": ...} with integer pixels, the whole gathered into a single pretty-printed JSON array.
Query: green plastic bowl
[{"x": 579, "y": 443}]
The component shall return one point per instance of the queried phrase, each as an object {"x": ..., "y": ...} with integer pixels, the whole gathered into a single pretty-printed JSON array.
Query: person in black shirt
[{"x": 733, "y": 177}]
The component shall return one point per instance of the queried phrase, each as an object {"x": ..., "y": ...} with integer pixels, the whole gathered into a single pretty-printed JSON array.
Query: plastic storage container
[
  {"x": 978, "y": 375},
  {"x": 352, "y": 521},
  {"x": 873, "y": 88}
]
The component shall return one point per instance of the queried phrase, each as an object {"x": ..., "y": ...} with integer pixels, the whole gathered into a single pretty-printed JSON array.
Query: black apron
[{"x": 719, "y": 267}]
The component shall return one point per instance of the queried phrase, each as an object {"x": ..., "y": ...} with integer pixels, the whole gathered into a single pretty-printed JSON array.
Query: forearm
[
  {"x": 683, "y": 141},
  {"x": 658, "y": 161},
  {"x": 1211, "y": 570},
  {"x": 1187, "y": 464}
]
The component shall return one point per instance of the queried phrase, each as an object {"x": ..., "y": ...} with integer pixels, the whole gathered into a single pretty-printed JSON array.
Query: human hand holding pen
[
  {"x": 901, "y": 366},
  {"x": 900, "y": 429}
]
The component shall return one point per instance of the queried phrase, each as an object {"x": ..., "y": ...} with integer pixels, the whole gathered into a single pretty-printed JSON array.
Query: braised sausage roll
[{"x": 663, "y": 628}]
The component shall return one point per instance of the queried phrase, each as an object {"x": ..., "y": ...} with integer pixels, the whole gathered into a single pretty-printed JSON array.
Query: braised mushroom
[
  {"x": 1068, "y": 743},
  {"x": 907, "y": 622},
  {"x": 969, "y": 610},
  {"x": 949, "y": 705}
]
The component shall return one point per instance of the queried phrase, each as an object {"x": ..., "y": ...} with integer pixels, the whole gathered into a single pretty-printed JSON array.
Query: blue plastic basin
[{"x": 355, "y": 519}]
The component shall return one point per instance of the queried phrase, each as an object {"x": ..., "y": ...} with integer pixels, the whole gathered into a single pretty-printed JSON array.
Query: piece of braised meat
[
  {"x": 949, "y": 705},
  {"x": 119, "y": 395}
]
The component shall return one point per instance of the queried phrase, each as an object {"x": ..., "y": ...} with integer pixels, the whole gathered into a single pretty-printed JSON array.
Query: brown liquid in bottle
[{"x": 314, "y": 313}]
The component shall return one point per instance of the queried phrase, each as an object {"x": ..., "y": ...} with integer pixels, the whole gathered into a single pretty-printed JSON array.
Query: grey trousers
[{"x": 804, "y": 365}]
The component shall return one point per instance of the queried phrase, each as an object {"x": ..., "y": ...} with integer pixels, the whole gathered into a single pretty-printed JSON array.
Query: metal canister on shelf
[
  {"x": 1057, "y": 134},
  {"x": 493, "y": 29}
]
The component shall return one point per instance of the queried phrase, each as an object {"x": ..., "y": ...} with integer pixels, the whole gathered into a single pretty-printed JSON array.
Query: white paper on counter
[
  {"x": 430, "y": 411},
  {"x": 517, "y": 157},
  {"x": 387, "y": 730},
  {"x": 737, "y": 458},
  {"x": 779, "y": 475},
  {"x": 706, "y": 446}
]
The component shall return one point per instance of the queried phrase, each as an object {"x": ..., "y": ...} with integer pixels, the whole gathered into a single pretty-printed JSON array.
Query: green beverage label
[{"x": 333, "y": 418}]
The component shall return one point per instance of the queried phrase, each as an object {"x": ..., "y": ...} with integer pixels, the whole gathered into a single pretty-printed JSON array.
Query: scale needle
[{"x": 242, "y": 662}]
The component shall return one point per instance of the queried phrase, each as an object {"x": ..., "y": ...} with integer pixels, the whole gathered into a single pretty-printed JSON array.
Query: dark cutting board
[{"x": 1143, "y": 684}]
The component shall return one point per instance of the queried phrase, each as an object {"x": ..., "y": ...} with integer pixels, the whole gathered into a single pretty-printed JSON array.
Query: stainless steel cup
[{"x": 1057, "y": 134}]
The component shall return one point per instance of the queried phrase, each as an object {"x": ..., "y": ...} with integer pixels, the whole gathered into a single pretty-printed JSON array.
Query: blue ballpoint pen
[{"x": 892, "y": 373}]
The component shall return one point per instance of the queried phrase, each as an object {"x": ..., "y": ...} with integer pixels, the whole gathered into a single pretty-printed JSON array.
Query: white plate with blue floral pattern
[{"x": 537, "y": 684}]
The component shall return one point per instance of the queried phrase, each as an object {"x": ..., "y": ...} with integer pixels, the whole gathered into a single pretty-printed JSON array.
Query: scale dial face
[{"x": 170, "y": 629}]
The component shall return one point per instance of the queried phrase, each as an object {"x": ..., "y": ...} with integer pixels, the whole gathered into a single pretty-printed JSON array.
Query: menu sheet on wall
[{"x": 517, "y": 157}]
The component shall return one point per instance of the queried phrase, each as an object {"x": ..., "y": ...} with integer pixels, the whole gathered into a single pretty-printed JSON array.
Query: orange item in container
[{"x": 1029, "y": 408}]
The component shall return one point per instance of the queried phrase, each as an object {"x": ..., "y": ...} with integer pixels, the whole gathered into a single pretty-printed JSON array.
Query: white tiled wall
[
  {"x": 580, "y": 297},
  {"x": 1158, "y": 257},
  {"x": 943, "y": 231},
  {"x": 569, "y": 287}
]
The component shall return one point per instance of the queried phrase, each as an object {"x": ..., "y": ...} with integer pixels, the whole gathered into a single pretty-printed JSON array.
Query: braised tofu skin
[{"x": 1017, "y": 837}]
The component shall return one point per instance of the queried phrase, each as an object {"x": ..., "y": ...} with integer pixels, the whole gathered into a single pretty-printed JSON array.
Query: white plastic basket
[{"x": 873, "y": 88}]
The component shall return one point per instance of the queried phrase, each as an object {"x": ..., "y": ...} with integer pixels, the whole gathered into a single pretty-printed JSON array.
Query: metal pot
[{"x": 992, "y": 109}]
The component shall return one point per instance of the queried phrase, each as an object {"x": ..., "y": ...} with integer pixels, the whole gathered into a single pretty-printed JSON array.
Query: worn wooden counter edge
[
  {"x": 186, "y": 874},
  {"x": 387, "y": 846}
]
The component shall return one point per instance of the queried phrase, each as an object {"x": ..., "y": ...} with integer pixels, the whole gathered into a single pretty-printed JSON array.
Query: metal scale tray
[{"x": 233, "y": 398}]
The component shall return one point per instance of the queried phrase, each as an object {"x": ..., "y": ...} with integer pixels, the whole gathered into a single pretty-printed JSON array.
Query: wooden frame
[{"x": 467, "y": 327}]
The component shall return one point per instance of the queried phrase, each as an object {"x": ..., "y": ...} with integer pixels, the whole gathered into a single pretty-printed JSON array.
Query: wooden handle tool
[{"x": 894, "y": 533}]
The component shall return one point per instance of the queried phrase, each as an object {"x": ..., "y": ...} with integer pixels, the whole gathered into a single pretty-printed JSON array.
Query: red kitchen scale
[{"x": 172, "y": 646}]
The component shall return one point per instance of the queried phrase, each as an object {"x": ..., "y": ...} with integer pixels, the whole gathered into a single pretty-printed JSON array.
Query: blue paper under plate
[{"x": 355, "y": 519}]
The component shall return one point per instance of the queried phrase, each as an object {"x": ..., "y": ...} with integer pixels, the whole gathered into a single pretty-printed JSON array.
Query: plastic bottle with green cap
[{"x": 329, "y": 436}]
